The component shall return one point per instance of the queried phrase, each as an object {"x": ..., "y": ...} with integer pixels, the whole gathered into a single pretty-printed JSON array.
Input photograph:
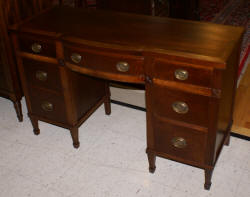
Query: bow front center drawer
[{"x": 108, "y": 65}]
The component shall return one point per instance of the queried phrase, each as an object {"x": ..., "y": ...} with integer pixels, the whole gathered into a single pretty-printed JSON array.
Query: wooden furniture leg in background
[{"x": 227, "y": 141}]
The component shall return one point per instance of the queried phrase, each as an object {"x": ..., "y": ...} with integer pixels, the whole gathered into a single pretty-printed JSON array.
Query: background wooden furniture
[
  {"x": 11, "y": 12},
  {"x": 189, "y": 71},
  {"x": 133, "y": 6},
  {"x": 148, "y": 7},
  {"x": 185, "y": 9},
  {"x": 9, "y": 80}
]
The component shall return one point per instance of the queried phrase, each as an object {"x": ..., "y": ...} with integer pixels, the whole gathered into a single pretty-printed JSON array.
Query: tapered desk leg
[
  {"x": 107, "y": 107},
  {"x": 151, "y": 161},
  {"x": 18, "y": 107},
  {"x": 107, "y": 103},
  {"x": 208, "y": 176},
  {"x": 75, "y": 137},
  {"x": 34, "y": 123}
]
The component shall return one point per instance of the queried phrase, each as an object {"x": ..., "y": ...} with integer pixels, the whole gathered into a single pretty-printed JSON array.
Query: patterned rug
[
  {"x": 237, "y": 13},
  {"x": 210, "y": 8}
]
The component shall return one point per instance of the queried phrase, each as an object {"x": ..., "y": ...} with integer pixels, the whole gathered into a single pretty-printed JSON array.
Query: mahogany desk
[{"x": 66, "y": 57}]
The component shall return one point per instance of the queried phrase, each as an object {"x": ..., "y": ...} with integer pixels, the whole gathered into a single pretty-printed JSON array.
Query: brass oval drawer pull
[
  {"x": 36, "y": 48},
  {"x": 76, "y": 58},
  {"x": 41, "y": 76},
  {"x": 47, "y": 106},
  {"x": 181, "y": 74},
  {"x": 179, "y": 142},
  {"x": 180, "y": 107},
  {"x": 122, "y": 66}
]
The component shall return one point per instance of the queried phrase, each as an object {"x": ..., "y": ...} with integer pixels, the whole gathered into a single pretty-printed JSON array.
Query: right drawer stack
[{"x": 180, "y": 112}]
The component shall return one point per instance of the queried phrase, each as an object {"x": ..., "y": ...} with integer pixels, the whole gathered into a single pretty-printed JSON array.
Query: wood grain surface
[{"x": 242, "y": 106}]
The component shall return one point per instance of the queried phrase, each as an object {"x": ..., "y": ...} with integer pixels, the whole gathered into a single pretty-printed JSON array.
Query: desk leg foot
[
  {"x": 18, "y": 108},
  {"x": 152, "y": 170},
  {"x": 208, "y": 176},
  {"x": 75, "y": 138},
  {"x": 34, "y": 122},
  {"x": 151, "y": 161},
  {"x": 107, "y": 106}
]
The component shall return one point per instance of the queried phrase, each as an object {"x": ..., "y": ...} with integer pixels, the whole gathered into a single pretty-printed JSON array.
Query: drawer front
[
  {"x": 180, "y": 72},
  {"x": 180, "y": 106},
  {"x": 42, "y": 74},
  {"x": 181, "y": 142},
  {"x": 38, "y": 46},
  {"x": 106, "y": 62},
  {"x": 48, "y": 105}
]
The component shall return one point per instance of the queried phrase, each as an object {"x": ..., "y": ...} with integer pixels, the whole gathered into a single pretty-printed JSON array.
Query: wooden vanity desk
[{"x": 66, "y": 57}]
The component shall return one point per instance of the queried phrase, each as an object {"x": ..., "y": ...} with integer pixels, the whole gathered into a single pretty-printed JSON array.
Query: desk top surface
[{"x": 200, "y": 40}]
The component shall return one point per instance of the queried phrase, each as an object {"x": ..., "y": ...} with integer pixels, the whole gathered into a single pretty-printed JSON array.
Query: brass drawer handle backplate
[
  {"x": 179, "y": 142},
  {"x": 181, "y": 74},
  {"x": 122, "y": 66},
  {"x": 41, "y": 76},
  {"x": 180, "y": 107},
  {"x": 47, "y": 106},
  {"x": 76, "y": 58},
  {"x": 36, "y": 48}
]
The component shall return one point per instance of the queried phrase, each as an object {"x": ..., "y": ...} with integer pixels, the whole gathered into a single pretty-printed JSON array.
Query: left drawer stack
[
  {"x": 53, "y": 93},
  {"x": 45, "y": 90}
]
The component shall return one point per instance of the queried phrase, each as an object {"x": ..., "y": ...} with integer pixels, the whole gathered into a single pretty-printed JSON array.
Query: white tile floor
[{"x": 111, "y": 161}]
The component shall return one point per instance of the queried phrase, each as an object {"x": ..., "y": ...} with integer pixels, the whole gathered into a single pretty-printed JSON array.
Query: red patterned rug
[
  {"x": 209, "y": 9},
  {"x": 236, "y": 13}
]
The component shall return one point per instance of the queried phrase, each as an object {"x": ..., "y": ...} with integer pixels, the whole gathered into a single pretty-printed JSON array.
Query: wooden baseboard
[
  {"x": 242, "y": 105},
  {"x": 241, "y": 130}
]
